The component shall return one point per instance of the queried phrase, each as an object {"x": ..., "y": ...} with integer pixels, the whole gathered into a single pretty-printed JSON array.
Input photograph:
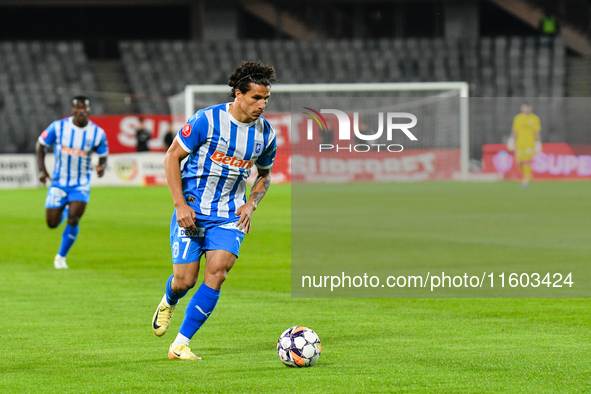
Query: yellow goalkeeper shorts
[{"x": 524, "y": 154}]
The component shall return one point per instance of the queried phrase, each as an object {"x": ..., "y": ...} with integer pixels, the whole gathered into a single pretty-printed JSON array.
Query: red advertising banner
[
  {"x": 356, "y": 160},
  {"x": 408, "y": 165},
  {"x": 121, "y": 130},
  {"x": 557, "y": 161},
  {"x": 121, "y": 134},
  {"x": 299, "y": 158},
  {"x": 282, "y": 124}
]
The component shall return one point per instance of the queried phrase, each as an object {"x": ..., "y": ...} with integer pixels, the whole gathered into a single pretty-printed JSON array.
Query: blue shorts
[
  {"x": 187, "y": 245},
  {"x": 58, "y": 196}
]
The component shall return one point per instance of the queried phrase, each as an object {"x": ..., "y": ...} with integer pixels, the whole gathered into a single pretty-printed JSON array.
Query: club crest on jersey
[
  {"x": 258, "y": 146},
  {"x": 186, "y": 131},
  {"x": 223, "y": 159}
]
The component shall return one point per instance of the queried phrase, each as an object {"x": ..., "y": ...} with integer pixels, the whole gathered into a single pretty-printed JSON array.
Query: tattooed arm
[{"x": 260, "y": 187}]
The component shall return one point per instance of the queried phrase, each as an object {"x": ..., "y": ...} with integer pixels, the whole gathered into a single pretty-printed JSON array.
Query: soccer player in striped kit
[
  {"x": 74, "y": 139},
  {"x": 221, "y": 144}
]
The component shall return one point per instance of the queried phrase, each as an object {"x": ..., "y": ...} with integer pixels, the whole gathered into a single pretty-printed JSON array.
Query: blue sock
[
  {"x": 68, "y": 238},
  {"x": 199, "y": 309},
  {"x": 171, "y": 297},
  {"x": 65, "y": 214}
]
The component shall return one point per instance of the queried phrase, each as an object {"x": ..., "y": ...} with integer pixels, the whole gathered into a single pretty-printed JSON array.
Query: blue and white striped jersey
[
  {"x": 72, "y": 147},
  {"x": 222, "y": 152}
]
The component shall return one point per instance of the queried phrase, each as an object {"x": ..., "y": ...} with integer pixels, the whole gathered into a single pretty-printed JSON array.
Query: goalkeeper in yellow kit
[{"x": 525, "y": 140}]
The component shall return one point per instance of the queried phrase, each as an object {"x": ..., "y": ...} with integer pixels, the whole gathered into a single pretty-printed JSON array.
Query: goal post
[{"x": 425, "y": 94}]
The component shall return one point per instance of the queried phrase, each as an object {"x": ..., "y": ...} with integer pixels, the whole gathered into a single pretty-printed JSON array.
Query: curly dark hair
[{"x": 255, "y": 72}]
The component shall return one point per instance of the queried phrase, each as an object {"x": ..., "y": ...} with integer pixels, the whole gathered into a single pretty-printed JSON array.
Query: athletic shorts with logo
[
  {"x": 58, "y": 197},
  {"x": 524, "y": 154},
  {"x": 187, "y": 245}
]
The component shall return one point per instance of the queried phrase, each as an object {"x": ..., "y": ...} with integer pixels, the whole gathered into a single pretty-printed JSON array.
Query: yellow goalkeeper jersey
[{"x": 526, "y": 127}]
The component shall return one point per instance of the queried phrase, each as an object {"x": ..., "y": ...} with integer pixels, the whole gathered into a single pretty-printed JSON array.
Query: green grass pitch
[{"x": 87, "y": 329}]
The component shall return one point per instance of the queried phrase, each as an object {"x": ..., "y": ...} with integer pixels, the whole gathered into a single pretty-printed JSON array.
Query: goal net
[{"x": 440, "y": 151}]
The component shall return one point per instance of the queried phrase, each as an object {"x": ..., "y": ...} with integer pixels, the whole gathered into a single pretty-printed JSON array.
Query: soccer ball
[{"x": 299, "y": 346}]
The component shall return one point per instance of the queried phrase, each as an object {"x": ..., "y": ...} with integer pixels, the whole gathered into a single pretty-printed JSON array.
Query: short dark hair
[
  {"x": 249, "y": 71},
  {"x": 80, "y": 99}
]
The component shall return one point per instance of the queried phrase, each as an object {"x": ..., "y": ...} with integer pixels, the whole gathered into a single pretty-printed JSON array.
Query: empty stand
[
  {"x": 495, "y": 67},
  {"x": 38, "y": 78},
  {"x": 37, "y": 81}
]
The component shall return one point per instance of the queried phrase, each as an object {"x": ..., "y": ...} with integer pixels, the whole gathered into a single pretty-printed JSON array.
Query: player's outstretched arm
[
  {"x": 185, "y": 215},
  {"x": 260, "y": 187},
  {"x": 43, "y": 175}
]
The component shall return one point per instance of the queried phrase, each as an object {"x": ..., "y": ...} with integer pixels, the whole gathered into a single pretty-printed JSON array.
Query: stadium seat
[
  {"x": 40, "y": 77},
  {"x": 505, "y": 66}
]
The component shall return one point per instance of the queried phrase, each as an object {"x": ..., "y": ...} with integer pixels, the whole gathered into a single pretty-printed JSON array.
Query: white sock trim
[{"x": 181, "y": 340}]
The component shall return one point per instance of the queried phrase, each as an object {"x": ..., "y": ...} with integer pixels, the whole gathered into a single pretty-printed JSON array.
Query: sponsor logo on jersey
[
  {"x": 73, "y": 151},
  {"x": 190, "y": 199},
  {"x": 186, "y": 131},
  {"x": 44, "y": 134},
  {"x": 223, "y": 159},
  {"x": 258, "y": 146}
]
